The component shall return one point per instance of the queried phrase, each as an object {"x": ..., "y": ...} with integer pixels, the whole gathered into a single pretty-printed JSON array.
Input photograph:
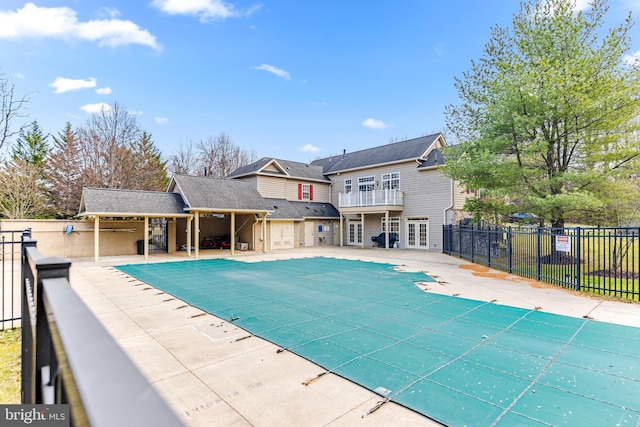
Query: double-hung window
[
  {"x": 366, "y": 183},
  {"x": 391, "y": 181},
  {"x": 347, "y": 185},
  {"x": 305, "y": 192}
]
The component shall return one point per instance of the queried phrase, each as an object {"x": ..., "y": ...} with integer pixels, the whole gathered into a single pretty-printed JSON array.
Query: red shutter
[
  {"x": 299, "y": 191},
  {"x": 310, "y": 192}
]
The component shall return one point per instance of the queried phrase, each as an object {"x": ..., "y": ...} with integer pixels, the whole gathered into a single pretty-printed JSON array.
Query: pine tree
[
  {"x": 64, "y": 173},
  {"x": 150, "y": 169}
]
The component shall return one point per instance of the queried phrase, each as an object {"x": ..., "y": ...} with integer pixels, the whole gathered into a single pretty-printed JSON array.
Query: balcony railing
[{"x": 371, "y": 198}]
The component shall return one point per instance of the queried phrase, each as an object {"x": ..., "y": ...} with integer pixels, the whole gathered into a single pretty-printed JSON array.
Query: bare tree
[
  {"x": 22, "y": 192},
  {"x": 11, "y": 106},
  {"x": 184, "y": 161},
  {"x": 219, "y": 156},
  {"x": 106, "y": 144}
]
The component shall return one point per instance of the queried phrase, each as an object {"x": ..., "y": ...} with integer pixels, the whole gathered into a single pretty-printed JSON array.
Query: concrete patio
[{"x": 213, "y": 373}]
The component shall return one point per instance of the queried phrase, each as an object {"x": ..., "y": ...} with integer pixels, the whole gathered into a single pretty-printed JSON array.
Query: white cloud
[
  {"x": 632, "y": 59},
  {"x": 103, "y": 90},
  {"x": 100, "y": 107},
  {"x": 135, "y": 113},
  {"x": 273, "y": 70},
  {"x": 62, "y": 84},
  {"x": 375, "y": 124},
  {"x": 161, "y": 120},
  {"x": 19, "y": 76},
  {"x": 205, "y": 10},
  {"x": 62, "y": 23},
  {"x": 310, "y": 149},
  {"x": 108, "y": 12}
]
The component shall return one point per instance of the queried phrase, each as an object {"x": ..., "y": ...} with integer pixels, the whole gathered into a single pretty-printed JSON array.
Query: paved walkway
[{"x": 215, "y": 374}]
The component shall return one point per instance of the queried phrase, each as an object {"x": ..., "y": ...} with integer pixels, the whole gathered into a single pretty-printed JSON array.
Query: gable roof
[
  {"x": 218, "y": 195},
  {"x": 412, "y": 149},
  {"x": 287, "y": 209},
  {"x": 117, "y": 202},
  {"x": 281, "y": 168},
  {"x": 434, "y": 159}
]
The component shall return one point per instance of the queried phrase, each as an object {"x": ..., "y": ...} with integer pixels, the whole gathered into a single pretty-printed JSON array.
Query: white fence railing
[{"x": 371, "y": 198}]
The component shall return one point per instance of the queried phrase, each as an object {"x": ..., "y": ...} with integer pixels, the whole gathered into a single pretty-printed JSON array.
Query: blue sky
[{"x": 289, "y": 79}]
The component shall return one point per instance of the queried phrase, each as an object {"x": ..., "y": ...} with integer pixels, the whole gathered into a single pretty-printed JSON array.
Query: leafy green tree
[
  {"x": 64, "y": 173},
  {"x": 151, "y": 170},
  {"x": 548, "y": 114}
]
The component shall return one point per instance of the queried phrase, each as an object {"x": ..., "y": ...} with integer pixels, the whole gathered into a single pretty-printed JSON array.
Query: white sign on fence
[{"x": 563, "y": 243}]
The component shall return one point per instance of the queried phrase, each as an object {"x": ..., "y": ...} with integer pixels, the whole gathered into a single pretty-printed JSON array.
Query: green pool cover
[{"x": 458, "y": 361}]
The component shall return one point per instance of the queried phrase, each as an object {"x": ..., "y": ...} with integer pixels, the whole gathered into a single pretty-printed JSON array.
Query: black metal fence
[
  {"x": 69, "y": 358},
  {"x": 10, "y": 244},
  {"x": 603, "y": 261}
]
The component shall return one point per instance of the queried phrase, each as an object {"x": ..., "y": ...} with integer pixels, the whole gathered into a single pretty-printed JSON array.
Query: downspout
[
  {"x": 450, "y": 206},
  {"x": 253, "y": 230}
]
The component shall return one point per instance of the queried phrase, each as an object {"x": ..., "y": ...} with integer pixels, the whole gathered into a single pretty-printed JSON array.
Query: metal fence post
[
  {"x": 473, "y": 255},
  {"x": 47, "y": 268},
  {"x": 509, "y": 250},
  {"x": 578, "y": 278},
  {"x": 538, "y": 254},
  {"x": 27, "y": 322}
]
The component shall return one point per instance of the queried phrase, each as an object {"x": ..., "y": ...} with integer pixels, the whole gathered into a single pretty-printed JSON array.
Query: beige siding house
[
  {"x": 396, "y": 188},
  {"x": 391, "y": 196}
]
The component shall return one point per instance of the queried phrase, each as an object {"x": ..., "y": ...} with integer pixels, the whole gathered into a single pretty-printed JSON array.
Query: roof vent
[{"x": 344, "y": 153}]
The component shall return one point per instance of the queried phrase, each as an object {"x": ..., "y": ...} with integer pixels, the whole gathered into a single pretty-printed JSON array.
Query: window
[
  {"x": 394, "y": 225},
  {"x": 347, "y": 185},
  {"x": 391, "y": 181},
  {"x": 366, "y": 183},
  {"x": 305, "y": 192}
]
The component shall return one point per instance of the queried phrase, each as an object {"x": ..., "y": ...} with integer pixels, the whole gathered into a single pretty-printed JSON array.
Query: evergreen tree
[
  {"x": 64, "y": 173},
  {"x": 150, "y": 169},
  {"x": 32, "y": 146}
]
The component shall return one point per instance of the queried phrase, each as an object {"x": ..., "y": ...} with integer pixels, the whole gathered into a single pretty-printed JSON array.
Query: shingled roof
[
  {"x": 218, "y": 195},
  {"x": 412, "y": 149},
  {"x": 124, "y": 203},
  {"x": 286, "y": 209},
  {"x": 286, "y": 168},
  {"x": 434, "y": 159}
]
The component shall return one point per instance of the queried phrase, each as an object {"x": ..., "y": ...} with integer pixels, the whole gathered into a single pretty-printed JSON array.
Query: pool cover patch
[{"x": 455, "y": 360}]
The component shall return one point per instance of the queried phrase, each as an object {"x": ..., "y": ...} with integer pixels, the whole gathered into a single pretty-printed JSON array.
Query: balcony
[{"x": 357, "y": 199}]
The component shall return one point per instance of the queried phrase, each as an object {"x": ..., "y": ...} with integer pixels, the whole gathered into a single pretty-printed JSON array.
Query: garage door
[{"x": 281, "y": 235}]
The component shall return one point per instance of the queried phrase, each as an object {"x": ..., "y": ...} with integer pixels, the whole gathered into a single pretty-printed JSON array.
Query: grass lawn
[{"x": 10, "y": 349}]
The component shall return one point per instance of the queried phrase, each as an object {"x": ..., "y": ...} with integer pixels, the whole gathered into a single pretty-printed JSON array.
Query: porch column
[
  {"x": 189, "y": 219},
  {"x": 386, "y": 229},
  {"x": 197, "y": 235},
  {"x": 96, "y": 238},
  {"x": 233, "y": 233},
  {"x": 264, "y": 232},
  {"x": 146, "y": 237},
  {"x": 341, "y": 231},
  {"x": 362, "y": 230}
]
